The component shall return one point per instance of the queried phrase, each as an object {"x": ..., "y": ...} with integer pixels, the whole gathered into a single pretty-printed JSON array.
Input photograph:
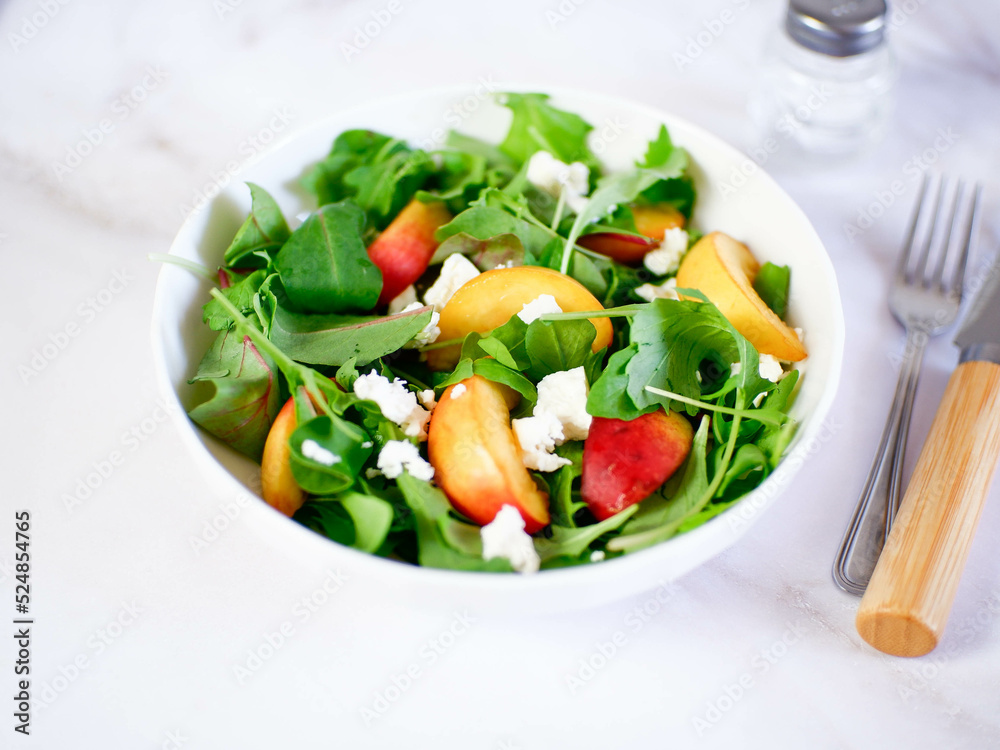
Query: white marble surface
[{"x": 756, "y": 649}]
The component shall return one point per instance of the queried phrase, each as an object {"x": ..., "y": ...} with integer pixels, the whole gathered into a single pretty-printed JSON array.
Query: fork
[{"x": 924, "y": 303}]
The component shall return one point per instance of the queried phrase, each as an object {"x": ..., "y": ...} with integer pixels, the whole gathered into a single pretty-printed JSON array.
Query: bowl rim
[{"x": 366, "y": 563}]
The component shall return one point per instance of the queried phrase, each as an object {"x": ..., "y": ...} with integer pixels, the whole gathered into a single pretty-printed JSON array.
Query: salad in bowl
[{"x": 498, "y": 355}]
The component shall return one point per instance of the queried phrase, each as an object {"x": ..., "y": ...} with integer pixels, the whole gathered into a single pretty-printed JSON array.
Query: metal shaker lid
[{"x": 839, "y": 28}]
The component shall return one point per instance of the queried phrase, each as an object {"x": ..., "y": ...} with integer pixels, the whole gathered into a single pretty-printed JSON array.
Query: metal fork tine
[
  {"x": 959, "y": 277},
  {"x": 920, "y": 270},
  {"x": 945, "y": 241},
  {"x": 904, "y": 256}
]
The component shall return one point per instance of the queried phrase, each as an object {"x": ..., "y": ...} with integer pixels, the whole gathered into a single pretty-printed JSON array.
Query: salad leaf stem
[
  {"x": 614, "y": 312},
  {"x": 560, "y": 207},
  {"x": 441, "y": 344},
  {"x": 196, "y": 268},
  {"x": 760, "y": 415}
]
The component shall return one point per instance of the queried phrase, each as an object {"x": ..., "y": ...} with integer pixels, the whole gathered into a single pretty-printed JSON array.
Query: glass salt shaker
[{"x": 827, "y": 78}]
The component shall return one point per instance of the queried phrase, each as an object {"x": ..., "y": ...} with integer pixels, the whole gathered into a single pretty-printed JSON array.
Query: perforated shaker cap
[{"x": 839, "y": 28}]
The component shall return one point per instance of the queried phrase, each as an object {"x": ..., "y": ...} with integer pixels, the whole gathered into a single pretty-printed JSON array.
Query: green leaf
[
  {"x": 609, "y": 394},
  {"x": 329, "y": 519},
  {"x": 345, "y": 440},
  {"x": 372, "y": 517},
  {"x": 771, "y": 285},
  {"x": 241, "y": 294},
  {"x": 491, "y": 369},
  {"x": 494, "y": 157},
  {"x": 350, "y": 149},
  {"x": 673, "y": 338},
  {"x": 324, "y": 265},
  {"x": 509, "y": 337},
  {"x": 553, "y": 346},
  {"x": 573, "y": 541},
  {"x": 263, "y": 233},
  {"x": 562, "y": 499},
  {"x": 537, "y": 126},
  {"x": 245, "y": 399},
  {"x": 486, "y": 222},
  {"x": 487, "y": 254},
  {"x": 336, "y": 339},
  {"x": 430, "y": 508},
  {"x": 384, "y": 186}
]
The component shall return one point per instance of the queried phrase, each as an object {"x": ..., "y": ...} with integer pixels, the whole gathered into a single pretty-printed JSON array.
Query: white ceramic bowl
[{"x": 758, "y": 212}]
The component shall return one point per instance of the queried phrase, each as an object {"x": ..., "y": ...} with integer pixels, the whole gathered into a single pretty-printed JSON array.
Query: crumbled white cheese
[
  {"x": 666, "y": 290},
  {"x": 505, "y": 537},
  {"x": 429, "y": 333},
  {"x": 547, "y": 173},
  {"x": 367, "y": 444},
  {"x": 541, "y": 305},
  {"x": 458, "y": 390},
  {"x": 770, "y": 368},
  {"x": 403, "y": 300},
  {"x": 456, "y": 271},
  {"x": 597, "y": 555},
  {"x": 758, "y": 399},
  {"x": 399, "y": 455},
  {"x": 800, "y": 333},
  {"x": 313, "y": 450},
  {"x": 538, "y": 436},
  {"x": 397, "y": 402},
  {"x": 564, "y": 395},
  {"x": 508, "y": 264},
  {"x": 667, "y": 257},
  {"x": 427, "y": 399},
  {"x": 735, "y": 368}
]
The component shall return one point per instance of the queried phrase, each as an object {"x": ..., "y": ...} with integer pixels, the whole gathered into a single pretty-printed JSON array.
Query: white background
[{"x": 755, "y": 649}]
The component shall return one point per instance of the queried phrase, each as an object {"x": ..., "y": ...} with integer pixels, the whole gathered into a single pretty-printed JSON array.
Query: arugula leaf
[
  {"x": 501, "y": 249},
  {"x": 558, "y": 345},
  {"x": 430, "y": 509},
  {"x": 491, "y": 369},
  {"x": 343, "y": 439},
  {"x": 324, "y": 265},
  {"x": 372, "y": 517},
  {"x": 384, "y": 186},
  {"x": 771, "y": 285},
  {"x": 673, "y": 338},
  {"x": 245, "y": 400},
  {"x": 486, "y": 222},
  {"x": 538, "y": 125},
  {"x": 328, "y": 519},
  {"x": 504, "y": 341},
  {"x": 572, "y": 542},
  {"x": 262, "y": 234},
  {"x": 350, "y": 149},
  {"x": 562, "y": 499},
  {"x": 609, "y": 393},
  {"x": 241, "y": 294},
  {"x": 495, "y": 158},
  {"x": 336, "y": 339}
]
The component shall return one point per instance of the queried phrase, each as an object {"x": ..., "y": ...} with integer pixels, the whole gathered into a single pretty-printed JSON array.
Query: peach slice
[
  {"x": 404, "y": 249},
  {"x": 490, "y": 299},
  {"x": 624, "y": 462},
  {"x": 723, "y": 270},
  {"x": 650, "y": 221},
  {"x": 278, "y": 486},
  {"x": 653, "y": 221},
  {"x": 476, "y": 457}
]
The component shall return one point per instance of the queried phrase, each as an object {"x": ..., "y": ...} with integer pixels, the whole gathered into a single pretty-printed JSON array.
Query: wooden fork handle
[{"x": 906, "y": 604}]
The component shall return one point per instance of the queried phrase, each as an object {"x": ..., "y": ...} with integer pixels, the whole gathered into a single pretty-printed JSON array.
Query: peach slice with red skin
[
  {"x": 489, "y": 300},
  {"x": 724, "y": 270},
  {"x": 278, "y": 486},
  {"x": 403, "y": 251},
  {"x": 650, "y": 222},
  {"x": 625, "y": 461},
  {"x": 476, "y": 457}
]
